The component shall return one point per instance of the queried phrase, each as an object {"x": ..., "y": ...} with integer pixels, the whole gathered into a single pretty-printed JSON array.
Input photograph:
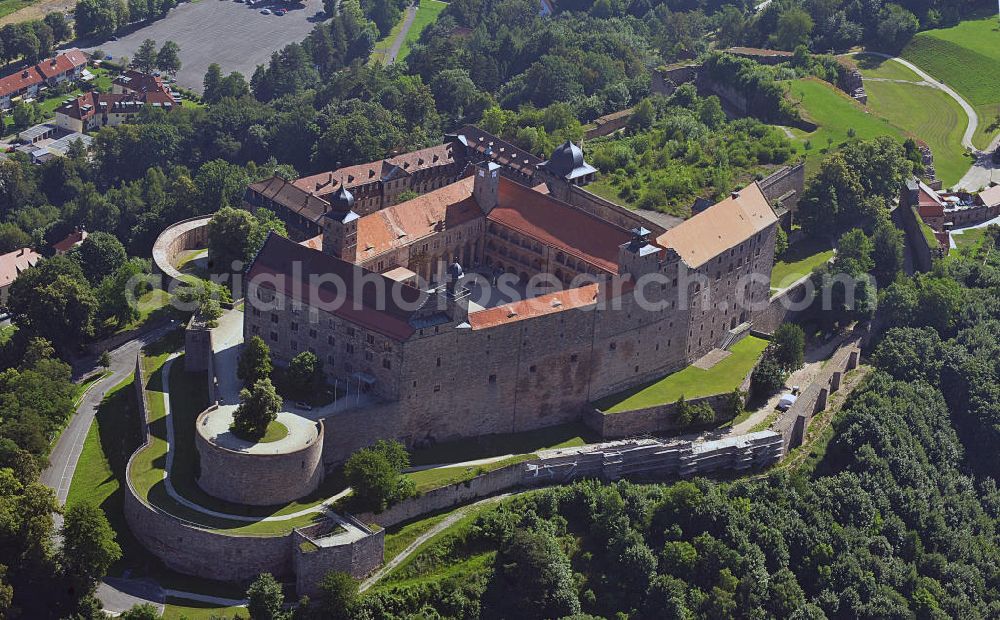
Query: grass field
[
  {"x": 9, "y": 6},
  {"x": 967, "y": 58},
  {"x": 885, "y": 68},
  {"x": 928, "y": 114},
  {"x": 799, "y": 260},
  {"x": 970, "y": 238},
  {"x": 691, "y": 382},
  {"x": 400, "y": 537},
  {"x": 839, "y": 118},
  {"x": 184, "y": 609}
]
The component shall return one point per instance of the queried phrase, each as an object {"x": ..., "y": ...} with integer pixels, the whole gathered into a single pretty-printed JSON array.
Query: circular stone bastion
[{"x": 258, "y": 474}]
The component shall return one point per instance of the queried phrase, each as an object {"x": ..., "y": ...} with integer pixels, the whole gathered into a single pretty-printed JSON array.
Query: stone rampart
[
  {"x": 316, "y": 553},
  {"x": 785, "y": 306},
  {"x": 258, "y": 479},
  {"x": 919, "y": 245},
  {"x": 608, "y": 124},
  {"x": 189, "y": 234},
  {"x": 650, "y": 420},
  {"x": 785, "y": 185},
  {"x": 793, "y": 423},
  {"x": 484, "y": 485},
  {"x": 608, "y": 211},
  {"x": 214, "y": 554}
]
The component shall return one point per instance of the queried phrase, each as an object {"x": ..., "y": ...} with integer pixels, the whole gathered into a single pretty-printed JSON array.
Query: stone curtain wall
[
  {"x": 608, "y": 124},
  {"x": 258, "y": 479},
  {"x": 189, "y": 234},
  {"x": 779, "y": 311},
  {"x": 785, "y": 184},
  {"x": 919, "y": 248},
  {"x": 192, "y": 550},
  {"x": 607, "y": 210},
  {"x": 313, "y": 559},
  {"x": 489, "y": 483},
  {"x": 793, "y": 423},
  {"x": 650, "y": 420}
]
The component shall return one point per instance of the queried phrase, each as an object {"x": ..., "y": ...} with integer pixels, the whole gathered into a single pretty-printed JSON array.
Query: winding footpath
[{"x": 984, "y": 170}]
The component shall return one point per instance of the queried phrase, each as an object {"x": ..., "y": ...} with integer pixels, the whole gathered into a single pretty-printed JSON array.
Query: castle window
[
  {"x": 573, "y": 358},
  {"x": 437, "y": 388},
  {"x": 370, "y": 338},
  {"x": 295, "y": 346},
  {"x": 312, "y": 333},
  {"x": 329, "y": 360},
  {"x": 386, "y": 363},
  {"x": 439, "y": 362},
  {"x": 295, "y": 326},
  {"x": 274, "y": 318},
  {"x": 492, "y": 379},
  {"x": 368, "y": 356},
  {"x": 330, "y": 341},
  {"x": 613, "y": 346},
  {"x": 256, "y": 312},
  {"x": 349, "y": 347},
  {"x": 255, "y": 329},
  {"x": 533, "y": 369},
  {"x": 274, "y": 336}
]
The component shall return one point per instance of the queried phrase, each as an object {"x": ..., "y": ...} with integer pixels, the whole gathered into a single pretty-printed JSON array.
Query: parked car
[
  {"x": 280, "y": 12},
  {"x": 265, "y": 11},
  {"x": 787, "y": 400},
  {"x": 303, "y": 406}
]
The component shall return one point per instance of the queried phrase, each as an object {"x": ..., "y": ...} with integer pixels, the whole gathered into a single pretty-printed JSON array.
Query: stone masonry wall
[
  {"x": 793, "y": 423},
  {"x": 258, "y": 479},
  {"x": 784, "y": 307},
  {"x": 591, "y": 203},
  {"x": 312, "y": 561},
  {"x": 450, "y": 496},
  {"x": 189, "y": 234},
  {"x": 785, "y": 184},
  {"x": 650, "y": 420}
]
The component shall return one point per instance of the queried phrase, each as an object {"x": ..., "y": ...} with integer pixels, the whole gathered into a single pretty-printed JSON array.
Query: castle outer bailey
[{"x": 380, "y": 293}]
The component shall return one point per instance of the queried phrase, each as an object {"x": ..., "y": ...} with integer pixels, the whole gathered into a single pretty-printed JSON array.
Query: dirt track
[{"x": 38, "y": 11}]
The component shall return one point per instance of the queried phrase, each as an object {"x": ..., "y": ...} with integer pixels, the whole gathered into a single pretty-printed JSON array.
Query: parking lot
[{"x": 229, "y": 33}]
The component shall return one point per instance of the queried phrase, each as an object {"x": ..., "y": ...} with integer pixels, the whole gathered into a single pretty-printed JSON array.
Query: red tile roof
[
  {"x": 46, "y": 69},
  {"x": 720, "y": 227},
  {"x": 405, "y": 223},
  {"x": 13, "y": 263},
  {"x": 62, "y": 63},
  {"x": 292, "y": 197},
  {"x": 559, "y": 225},
  {"x": 125, "y": 103},
  {"x": 138, "y": 81},
  {"x": 70, "y": 241},
  {"x": 380, "y": 312},
  {"x": 535, "y": 307}
]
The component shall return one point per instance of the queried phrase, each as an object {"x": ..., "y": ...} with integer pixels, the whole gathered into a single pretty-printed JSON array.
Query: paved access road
[
  {"x": 232, "y": 34},
  {"x": 65, "y": 454}
]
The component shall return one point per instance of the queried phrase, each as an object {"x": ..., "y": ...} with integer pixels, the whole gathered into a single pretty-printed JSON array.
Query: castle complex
[{"x": 445, "y": 358}]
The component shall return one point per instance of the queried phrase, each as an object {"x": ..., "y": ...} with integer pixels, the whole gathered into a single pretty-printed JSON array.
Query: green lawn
[
  {"x": 275, "y": 431},
  {"x": 9, "y": 6},
  {"x": 969, "y": 238},
  {"x": 561, "y": 436},
  {"x": 184, "y": 609},
  {"x": 427, "y": 14},
  {"x": 433, "y": 478},
  {"x": 691, "y": 382},
  {"x": 837, "y": 115},
  {"x": 400, "y": 537},
  {"x": 886, "y": 68},
  {"x": 967, "y": 58},
  {"x": 799, "y": 260}
]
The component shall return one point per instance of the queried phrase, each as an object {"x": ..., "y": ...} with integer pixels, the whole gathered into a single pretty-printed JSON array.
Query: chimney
[{"x": 486, "y": 186}]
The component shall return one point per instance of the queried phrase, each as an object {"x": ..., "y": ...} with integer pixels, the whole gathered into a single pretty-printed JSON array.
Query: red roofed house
[
  {"x": 95, "y": 110},
  {"x": 49, "y": 72},
  {"x": 70, "y": 241},
  {"x": 11, "y": 266}
]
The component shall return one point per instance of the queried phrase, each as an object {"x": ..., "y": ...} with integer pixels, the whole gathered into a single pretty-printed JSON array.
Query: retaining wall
[
  {"x": 793, "y": 423},
  {"x": 258, "y": 479},
  {"x": 213, "y": 554},
  {"x": 314, "y": 556},
  {"x": 483, "y": 485},
  {"x": 920, "y": 249},
  {"x": 189, "y": 234},
  {"x": 651, "y": 420},
  {"x": 784, "y": 307},
  {"x": 608, "y": 124}
]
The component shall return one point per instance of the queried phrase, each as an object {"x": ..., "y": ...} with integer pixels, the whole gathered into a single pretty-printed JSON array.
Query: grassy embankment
[
  {"x": 799, "y": 260},
  {"x": 923, "y": 112},
  {"x": 691, "y": 382},
  {"x": 967, "y": 58},
  {"x": 427, "y": 13}
]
